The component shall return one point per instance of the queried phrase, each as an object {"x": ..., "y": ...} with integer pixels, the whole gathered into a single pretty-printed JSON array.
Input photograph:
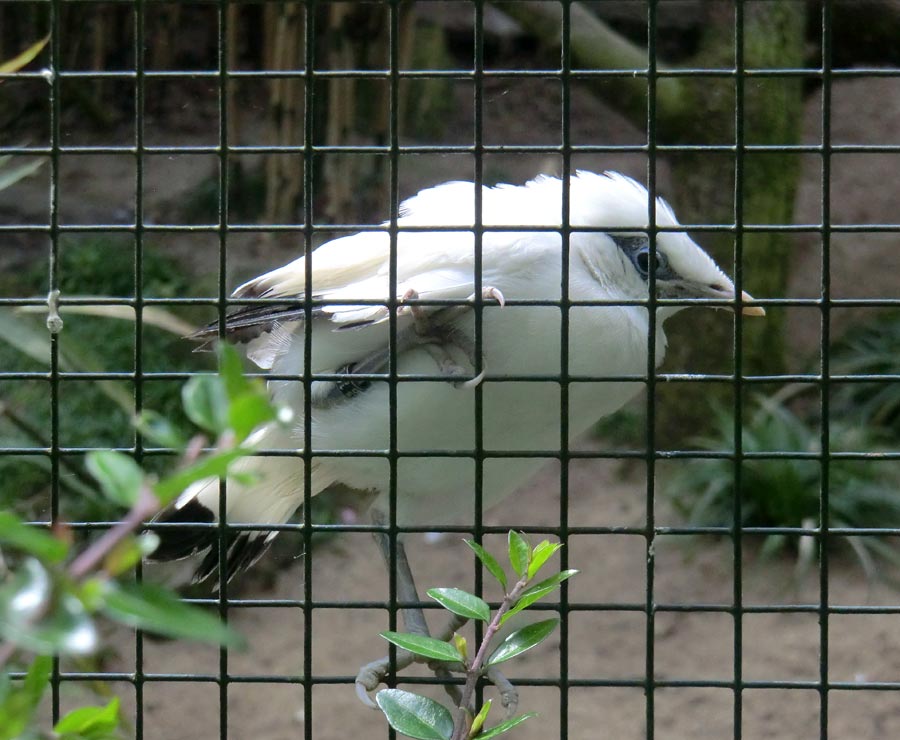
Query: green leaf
[
  {"x": 415, "y": 716},
  {"x": 159, "y": 429},
  {"x": 214, "y": 466},
  {"x": 538, "y": 591},
  {"x": 231, "y": 370},
  {"x": 541, "y": 554},
  {"x": 489, "y": 562},
  {"x": 119, "y": 476},
  {"x": 519, "y": 552},
  {"x": 18, "y": 702},
  {"x": 24, "y": 58},
  {"x": 505, "y": 726},
  {"x": 9, "y": 176},
  {"x": 23, "y": 335},
  {"x": 459, "y": 602},
  {"x": 427, "y": 647},
  {"x": 248, "y": 401},
  {"x": 248, "y": 411},
  {"x": 478, "y": 721},
  {"x": 30, "y": 539},
  {"x": 36, "y": 618},
  {"x": 460, "y": 642},
  {"x": 522, "y": 640},
  {"x": 92, "y": 592},
  {"x": 206, "y": 402},
  {"x": 153, "y": 608},
  {"x": 90, "y": 722},
  {"x": 128, "y": 553},
  {"x": 38, "y": 678},
  {"x": 33, "y": 340}
]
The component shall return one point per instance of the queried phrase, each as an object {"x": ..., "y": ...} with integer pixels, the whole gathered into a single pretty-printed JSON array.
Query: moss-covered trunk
[{"x": 770, "y": 110}]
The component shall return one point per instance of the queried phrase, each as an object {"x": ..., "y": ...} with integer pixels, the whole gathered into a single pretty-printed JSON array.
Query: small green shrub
[
  {"x": 872, "y": 348},
  {"x": 784, "y": 491},
  {"x": 422, "y": 718},
  {"x": 54, "y": 594}
]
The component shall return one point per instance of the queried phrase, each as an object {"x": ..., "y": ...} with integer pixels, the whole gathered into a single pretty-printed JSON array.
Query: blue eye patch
[{"x": 637, "y": 249}]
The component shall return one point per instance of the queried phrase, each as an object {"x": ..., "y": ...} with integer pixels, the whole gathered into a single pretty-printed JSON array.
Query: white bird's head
[{"x": 682, "y": 269}]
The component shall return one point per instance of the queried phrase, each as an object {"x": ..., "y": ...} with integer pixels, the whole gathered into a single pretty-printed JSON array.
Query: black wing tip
[
  {"x": 247, "y": 323},
  {"x": 243, "y": 549},
  {"x": 176, "y": 543}
]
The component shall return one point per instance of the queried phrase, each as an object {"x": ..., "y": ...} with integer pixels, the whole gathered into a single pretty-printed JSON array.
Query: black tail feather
[
  {"x": 243, "y": 549},
  {"x": 183, "y": 541}
]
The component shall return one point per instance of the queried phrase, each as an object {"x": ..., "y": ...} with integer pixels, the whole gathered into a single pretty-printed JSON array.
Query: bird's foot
[
  {"x": 374, "y": 673},
  {"x": 491, "y": 293},
  {"x": 509, "y": 696},
  {"x": 438, "y": 333},
  {"x": 429, "y": 323},
  {"x": 434, "y": 331}
]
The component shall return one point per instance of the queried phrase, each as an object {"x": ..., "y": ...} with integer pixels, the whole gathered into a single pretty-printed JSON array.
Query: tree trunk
[{"x": 705, "y": 182}]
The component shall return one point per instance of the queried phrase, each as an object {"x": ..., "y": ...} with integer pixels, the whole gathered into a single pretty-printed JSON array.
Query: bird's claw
[
  {"x": 432, "y": 331},
  {"x": 492, "y": 292},
  {"x": 509, "y": 696},
  {"x": 420, "y": 314},
  {"x": 367, "y": 680}
]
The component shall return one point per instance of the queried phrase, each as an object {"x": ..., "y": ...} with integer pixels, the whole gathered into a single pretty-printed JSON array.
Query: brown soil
[{"x": 605, "y": 645}]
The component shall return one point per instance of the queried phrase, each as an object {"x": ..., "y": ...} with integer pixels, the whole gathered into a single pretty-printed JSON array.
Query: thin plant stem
[{"x": 460, "y": 726}]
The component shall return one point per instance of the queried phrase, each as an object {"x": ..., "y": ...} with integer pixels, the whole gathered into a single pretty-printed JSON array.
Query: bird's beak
[{"x": 750, "y": 310}]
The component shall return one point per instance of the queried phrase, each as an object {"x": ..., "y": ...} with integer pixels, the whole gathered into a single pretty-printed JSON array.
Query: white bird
[{"x": 609, "y": 259}]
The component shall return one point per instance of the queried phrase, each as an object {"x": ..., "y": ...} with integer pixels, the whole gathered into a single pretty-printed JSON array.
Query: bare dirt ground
[
  {"x": 608, "y": 644},
  {"x": 604, "y": 644}
]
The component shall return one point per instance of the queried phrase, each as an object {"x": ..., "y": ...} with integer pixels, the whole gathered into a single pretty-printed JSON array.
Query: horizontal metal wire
[
  {"x": 443, "y": 149},
  {"x": 546, "y": 303},
  {"x": 674, "y": 531},
  {"x": 808, "y": 379},
  {"x": 574, "y": 74},
  {"x": 237, "y": 228},
  {"x": 489, "y": 454},
  {"x": 326, "y": 679}
]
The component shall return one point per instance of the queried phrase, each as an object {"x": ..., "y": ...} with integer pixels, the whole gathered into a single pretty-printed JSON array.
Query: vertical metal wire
[
  {"x": 139, "y": 316},
  {"x": 478, "y": 244},
  {"x": 309, "y": 79},
  {"x": 824, "y": 371},
  {"x": 224, "y": 534},
  {"x": 737, "y": 351},
  {"x": 53, "y": 270},
  {"x": 650, "y": 606},
  {"x": 565, "y": 315},
  {"x": 394, "y": 188}
]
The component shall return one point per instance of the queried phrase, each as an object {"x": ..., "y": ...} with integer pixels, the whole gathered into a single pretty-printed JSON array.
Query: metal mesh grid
[{"x": 223, "y": 228}]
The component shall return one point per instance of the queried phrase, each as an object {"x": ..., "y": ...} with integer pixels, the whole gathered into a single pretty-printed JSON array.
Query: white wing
[{"x": 434, "y": 265}]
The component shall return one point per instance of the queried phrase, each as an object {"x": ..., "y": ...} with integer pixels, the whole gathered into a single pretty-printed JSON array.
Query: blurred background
[{"x": 803, "y": 160}]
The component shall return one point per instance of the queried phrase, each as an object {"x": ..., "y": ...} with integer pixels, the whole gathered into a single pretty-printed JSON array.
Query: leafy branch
[
  {"x": 49, "y": 601},
  {"x": 425, "y": 719}
]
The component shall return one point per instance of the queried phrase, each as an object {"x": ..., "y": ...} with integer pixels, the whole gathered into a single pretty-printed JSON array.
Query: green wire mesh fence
[{"x": 233, "y": 134}]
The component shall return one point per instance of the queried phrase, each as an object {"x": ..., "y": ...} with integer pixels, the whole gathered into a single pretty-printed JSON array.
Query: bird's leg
[
  {"x": 371, "y": 674},
  {"x": 431, "y": 334},
  {"x": 509, "y": 697},
  {"x": 437, "y": 331}
]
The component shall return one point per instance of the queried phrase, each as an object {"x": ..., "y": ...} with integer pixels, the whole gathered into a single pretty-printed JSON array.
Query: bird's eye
[{"x": 642, "y": 259}]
